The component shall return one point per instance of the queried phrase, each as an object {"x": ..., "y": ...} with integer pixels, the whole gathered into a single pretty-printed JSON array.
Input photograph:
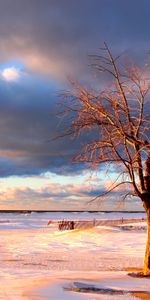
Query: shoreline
[{"x": 26, "y": 211}]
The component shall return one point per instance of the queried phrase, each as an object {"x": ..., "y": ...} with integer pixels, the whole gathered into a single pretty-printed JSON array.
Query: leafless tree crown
[{"x": 119, "y": 119}]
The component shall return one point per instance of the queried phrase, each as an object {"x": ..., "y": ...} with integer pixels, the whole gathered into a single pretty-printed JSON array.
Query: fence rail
[{"x": 77, "y": 224}]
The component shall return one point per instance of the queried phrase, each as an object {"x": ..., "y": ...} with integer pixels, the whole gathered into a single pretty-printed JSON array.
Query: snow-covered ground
[{"x": 39, "y": 262}]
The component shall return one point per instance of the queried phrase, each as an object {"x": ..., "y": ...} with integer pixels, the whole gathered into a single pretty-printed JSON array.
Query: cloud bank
[
  {"x": 51, "y": 40},
  {"x": 41, "y": 44}
]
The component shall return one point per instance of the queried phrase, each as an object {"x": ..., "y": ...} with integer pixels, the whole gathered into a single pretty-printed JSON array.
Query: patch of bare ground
[
  {"x": 137, "y": 273},
  {"x": 133, "y": 269},
  {"x": 141, "y": 295}
]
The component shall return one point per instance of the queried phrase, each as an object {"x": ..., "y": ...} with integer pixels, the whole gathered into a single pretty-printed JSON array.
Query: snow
[{"x": 38, "y": 261}]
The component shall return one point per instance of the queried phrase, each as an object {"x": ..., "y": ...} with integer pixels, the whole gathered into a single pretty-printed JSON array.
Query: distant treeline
[{"x": 68, "y": 211}]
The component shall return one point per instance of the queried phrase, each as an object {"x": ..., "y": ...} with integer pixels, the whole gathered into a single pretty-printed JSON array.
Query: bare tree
[{"x": 118, "y": 118}]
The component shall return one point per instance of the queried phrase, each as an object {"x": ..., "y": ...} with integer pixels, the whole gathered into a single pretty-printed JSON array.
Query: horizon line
[{"x": 44, "y": 211}]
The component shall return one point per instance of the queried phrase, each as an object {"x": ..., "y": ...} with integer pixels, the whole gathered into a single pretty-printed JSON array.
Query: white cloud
[{"x": 10, "y": 74}]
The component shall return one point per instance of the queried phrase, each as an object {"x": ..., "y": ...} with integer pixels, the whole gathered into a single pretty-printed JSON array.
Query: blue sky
[{"x": 42, "y": 43}]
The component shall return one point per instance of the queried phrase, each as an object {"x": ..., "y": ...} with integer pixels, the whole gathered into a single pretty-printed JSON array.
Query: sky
[{"x": 42, "y": 43}]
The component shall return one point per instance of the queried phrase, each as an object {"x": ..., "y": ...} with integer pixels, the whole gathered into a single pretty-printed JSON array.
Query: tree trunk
[
  {"x": 147, "y": 252},
  {"x": 146, "y": 202}
]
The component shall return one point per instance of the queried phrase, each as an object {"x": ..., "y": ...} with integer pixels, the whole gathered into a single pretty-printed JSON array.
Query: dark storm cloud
[
  {"x": 28, "y": 125},
  {"x": 52, "y": 39},
  {"x": 59, "y": 34}
]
